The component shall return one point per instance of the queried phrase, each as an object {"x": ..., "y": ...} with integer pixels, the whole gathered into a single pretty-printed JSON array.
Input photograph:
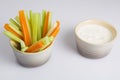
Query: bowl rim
[
  {"x": 30, "y": 53},
  {"x": 99, "y": 22}
]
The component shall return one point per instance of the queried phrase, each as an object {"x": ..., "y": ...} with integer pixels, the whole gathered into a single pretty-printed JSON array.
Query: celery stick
[
  {"x": 47, "y": 41},
  {"x": 44, "y": 46},
  {"x": 16, "y": 30},
  {"x": 15, "y": 23},
  {"x": 13, "y": 37},
  {"x": 50, "y": 22},
  {"x": 43, "y": 19},
  {"x": 23, "y": 47},
  {"x": 22, "y": 43},
  {"x": 51, "y": 38},
  {"x": 31, "y": 24},
  {"x": 31, "y": 15},
  {"x": 34, "y": 27},
  {"x": 28, "y": 22},
  {"x": 39, "y": 27},
  {"x": 17, "y": 19}
]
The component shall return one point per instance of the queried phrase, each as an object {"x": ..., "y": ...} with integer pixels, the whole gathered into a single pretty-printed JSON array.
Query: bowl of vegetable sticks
[{"x": 32, "y": 35}]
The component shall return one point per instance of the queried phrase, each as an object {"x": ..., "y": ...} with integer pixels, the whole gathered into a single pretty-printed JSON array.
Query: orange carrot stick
[
  {"x": 35, "y": 47},
  {"x": 8, "y": 28},
  {"x": 45, "y": 28},
  {"x": 56, "y": 30},
  {"x": 25, "y": 28},
  {"x": 54, "y": 34}
]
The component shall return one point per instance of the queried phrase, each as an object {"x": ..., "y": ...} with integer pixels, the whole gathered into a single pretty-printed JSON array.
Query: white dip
[{"x": 95, "y": 34}]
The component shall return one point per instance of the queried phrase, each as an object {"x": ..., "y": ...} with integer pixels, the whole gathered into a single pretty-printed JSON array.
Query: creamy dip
[{"x": 95, "y": 34}]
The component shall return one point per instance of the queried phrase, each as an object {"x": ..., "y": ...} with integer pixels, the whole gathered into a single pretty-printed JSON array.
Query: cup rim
[
  {"x": 30, "y": 53},
  {"x": 96, "y": 21}
]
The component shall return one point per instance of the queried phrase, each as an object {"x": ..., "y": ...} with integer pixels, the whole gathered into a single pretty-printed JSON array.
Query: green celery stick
[
  {"x": 17, "y": 19},
  {"x": 30, "y": 13},
  {"x": 39, "y": 27},
  {"x": 15, "y": 23},
  {"x": 23, "y": 47},
  {"x": 28, "y": 21},
  {"x": 23, "y": 44},
  {"x": 16, "y": 30},
  {"x": 13, "y": 37},
  {"x": 43, "y": 19},
  {"x": 51, "y": 38},
  {"x": 47, "y": 41},
  {"x": 34, "y": 27},
  {"x": 11, "y": 24},
  {"x": 50, "y": 22},
  {"x": 31, "y": 24}
]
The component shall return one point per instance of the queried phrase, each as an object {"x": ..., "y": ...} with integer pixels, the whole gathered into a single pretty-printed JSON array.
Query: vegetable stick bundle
[{"x": 32, "y": 30}]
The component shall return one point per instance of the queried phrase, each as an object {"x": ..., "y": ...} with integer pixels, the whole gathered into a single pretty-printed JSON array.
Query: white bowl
[
  {"x": 32, "y": 59},
  {"x": 90, "y": 50}
]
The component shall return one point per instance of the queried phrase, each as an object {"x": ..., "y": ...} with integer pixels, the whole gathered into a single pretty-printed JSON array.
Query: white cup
[
  {"x": 32, "y": 59},
  {"x": 89, "y": 49}
]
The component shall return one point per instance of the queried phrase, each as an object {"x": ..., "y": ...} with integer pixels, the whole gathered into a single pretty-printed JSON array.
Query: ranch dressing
[{"x": 95, "y": 34}]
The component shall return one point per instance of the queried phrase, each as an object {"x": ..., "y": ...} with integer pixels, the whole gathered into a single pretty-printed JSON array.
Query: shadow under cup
[{"x": 32, "y": 59}]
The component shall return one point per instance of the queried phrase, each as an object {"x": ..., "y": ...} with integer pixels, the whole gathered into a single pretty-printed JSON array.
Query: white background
[{"x": 66, "y": 63}]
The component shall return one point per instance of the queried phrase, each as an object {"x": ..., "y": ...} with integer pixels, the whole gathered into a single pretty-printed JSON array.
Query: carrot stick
[
  {"x": 8, "y": 28},
  {"x": 56, "y": 30},
  {"x": 25, "y": 28},
  {"x": 40, "y": 45},
  {"x": 45, "y": 28},
  {"x": 51, "y": 30},
  {"x": 35, "y": 47}
]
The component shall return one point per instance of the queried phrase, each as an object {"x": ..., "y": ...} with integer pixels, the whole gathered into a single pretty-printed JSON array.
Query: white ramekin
[
  {"x": 32, "y": 59},
  {"x": 90, "y": 50}
]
